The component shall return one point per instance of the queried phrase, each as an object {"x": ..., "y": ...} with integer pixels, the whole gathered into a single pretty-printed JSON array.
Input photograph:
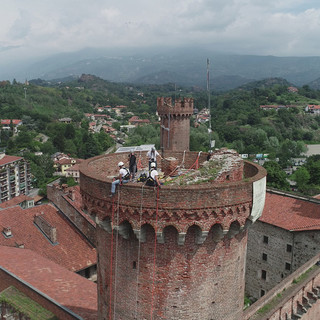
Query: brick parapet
[
  {"x": 292, "y": 295},
  {"x": 179, "y": 206}
]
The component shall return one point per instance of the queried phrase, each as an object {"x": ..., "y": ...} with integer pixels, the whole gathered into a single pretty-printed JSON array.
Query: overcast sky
[{"x": 263, "y": 27}]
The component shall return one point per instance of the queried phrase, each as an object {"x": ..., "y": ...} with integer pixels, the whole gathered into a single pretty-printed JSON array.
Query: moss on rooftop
[{"x": 23, "y": 304}]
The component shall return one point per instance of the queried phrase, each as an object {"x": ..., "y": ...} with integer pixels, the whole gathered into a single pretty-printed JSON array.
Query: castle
[{"x": 177, "y": 252}]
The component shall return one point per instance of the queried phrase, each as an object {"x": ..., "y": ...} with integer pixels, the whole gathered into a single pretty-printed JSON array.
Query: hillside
[{"x": 185, "y": 67}]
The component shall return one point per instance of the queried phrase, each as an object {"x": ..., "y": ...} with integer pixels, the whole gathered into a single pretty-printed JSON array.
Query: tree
[
  {"x": 301, "y": 177},
  {"x": 313, "y": 167},
  {"x": 276, "y": 177}
]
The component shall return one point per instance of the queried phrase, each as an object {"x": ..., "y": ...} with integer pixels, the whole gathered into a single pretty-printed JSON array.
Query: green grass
[
  {"x": 26, "y": 306},
  {"x": 304, "y": 275}
]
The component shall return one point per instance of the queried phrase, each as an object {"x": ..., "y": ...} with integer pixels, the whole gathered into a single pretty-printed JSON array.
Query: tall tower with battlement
[
  {"x": 177, "y": 252},
  {"x": 175, "y": 123}
]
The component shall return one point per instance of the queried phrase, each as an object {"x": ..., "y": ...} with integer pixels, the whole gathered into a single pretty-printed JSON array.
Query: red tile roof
[
  {"x": 8, "y": 121},
  {"x": 291, "y": 213},
  {"x": 74, "y": 167},
  {"x": 8, "y": 159},
  {"x": 66, "y": 288},
  {"x": 71, "y": 250},
  {"x": 15, "y": 201}
]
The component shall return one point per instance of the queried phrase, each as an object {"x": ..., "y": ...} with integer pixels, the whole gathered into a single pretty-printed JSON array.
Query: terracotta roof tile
[
  {"x": 71, "y": 250},
  {"x": 15, "y": 201},
  {"x": 8, "y": 159},
  {"x": 291, "y": 213},
  {"x": 67, "y": 288}
]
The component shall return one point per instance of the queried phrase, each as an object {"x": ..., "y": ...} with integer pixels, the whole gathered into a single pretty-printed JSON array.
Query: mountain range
[{"x": 184, "y": 66}]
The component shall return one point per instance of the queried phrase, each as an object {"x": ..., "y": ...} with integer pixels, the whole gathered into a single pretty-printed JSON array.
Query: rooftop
[
  {"x": 70, "y": 250},
  {"x": 66, "y": 288},
  {"x": 291, "y": 213},
  {"x": 15, "y": 201},
  {"x": 8, "y": 159}
]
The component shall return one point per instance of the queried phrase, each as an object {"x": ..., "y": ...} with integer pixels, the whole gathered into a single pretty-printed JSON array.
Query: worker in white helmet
[
  {"x": 153, "y": 178},
  {"x": 124, "y": 177}
]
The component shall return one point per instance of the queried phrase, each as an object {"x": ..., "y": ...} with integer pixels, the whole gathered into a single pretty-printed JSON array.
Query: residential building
[
  {"x": 65, "y": 163},
  {"x": 15, "y": 177},
  {"x": 73, "y": 172},
  {"x": 313, "y": 109},
  {"x": 65, "y": 120},
  {"x": 285, "y": 237},
  {"x": 8, "y": 124},
  {"x": 135, "y": 120}
]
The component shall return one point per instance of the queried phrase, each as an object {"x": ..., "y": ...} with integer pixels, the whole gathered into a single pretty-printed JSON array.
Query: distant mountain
[
  {"x": 265, "y": 83},
  {"x": 184, "y": 66},
  {"x": 315, "y": 84}
]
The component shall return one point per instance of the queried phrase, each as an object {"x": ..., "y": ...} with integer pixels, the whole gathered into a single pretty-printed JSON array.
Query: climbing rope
[
  {"x": 139, "y": 254},
  {"x": 116, "y": 259},
  {"x": 154, "y": 256},
  {"x": 111, "y": 263}
]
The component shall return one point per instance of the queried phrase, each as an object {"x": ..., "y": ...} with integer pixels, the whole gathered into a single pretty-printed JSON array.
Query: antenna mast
[{"x": 211, "y": 144}]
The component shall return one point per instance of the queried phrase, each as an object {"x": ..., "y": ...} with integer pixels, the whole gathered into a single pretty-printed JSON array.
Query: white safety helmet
[
  {"x": 152, "y": 165},
  {"x": 120, "y": 164}
]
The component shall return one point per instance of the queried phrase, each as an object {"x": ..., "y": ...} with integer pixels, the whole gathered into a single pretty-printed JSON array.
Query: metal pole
[{"x": 209, "y": 106}]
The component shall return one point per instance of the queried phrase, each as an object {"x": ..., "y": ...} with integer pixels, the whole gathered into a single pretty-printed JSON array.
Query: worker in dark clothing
[{"x": 132, "y": 165}]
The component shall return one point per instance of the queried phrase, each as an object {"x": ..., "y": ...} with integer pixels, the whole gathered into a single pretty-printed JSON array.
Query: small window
[
  {"x": 134, "y": 265},
  {"x": 262, "y": 293},
  {"x": 263, "y": 274},
  {"x": 289, "y": 248},
  {"x": 288, "y": 266},
  {"x": 264, "y": 257},
  {"x": 265, "y": 239}
]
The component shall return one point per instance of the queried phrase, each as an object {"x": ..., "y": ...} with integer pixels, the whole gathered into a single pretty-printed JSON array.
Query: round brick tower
[
  {"x": 175, "y": 123},
  {"x": 174, "y": 253}
]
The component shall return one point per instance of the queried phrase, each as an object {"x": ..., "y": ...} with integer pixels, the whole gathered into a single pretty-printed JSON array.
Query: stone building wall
[
  {"x": 267, "y": 251},
  {"x": 306, "y": 245},
  {"x": 285, "y": 252}
]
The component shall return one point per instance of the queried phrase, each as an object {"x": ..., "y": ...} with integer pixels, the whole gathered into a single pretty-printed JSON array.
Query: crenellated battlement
[{"x": 180, "y": 107}]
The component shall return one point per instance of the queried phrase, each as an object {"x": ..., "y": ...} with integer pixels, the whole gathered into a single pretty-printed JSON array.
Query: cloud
[{"x": 278, "y": 27}]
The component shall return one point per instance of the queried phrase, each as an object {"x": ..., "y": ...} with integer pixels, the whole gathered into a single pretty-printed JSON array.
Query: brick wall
[
  {"x": 183, "y": 282},
  {"x": 6, "y": 280},
  {"x": 175, "y": 117},
  {"x": 62, "y": 202}
]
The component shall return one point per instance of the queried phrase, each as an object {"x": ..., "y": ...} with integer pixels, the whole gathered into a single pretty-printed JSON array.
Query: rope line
[
  {"x": 111, "y": 263},
  {"x": 139, "y": 254},
  {"x": 154, "y": 255},
  {"x": 116, "y": 259}
]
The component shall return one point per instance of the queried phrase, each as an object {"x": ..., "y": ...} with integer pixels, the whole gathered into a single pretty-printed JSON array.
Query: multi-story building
[
  {"x": 285, "y": 237},
  {"x": 15, "y": 177}
]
